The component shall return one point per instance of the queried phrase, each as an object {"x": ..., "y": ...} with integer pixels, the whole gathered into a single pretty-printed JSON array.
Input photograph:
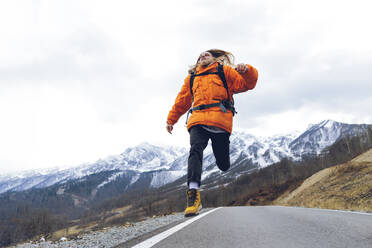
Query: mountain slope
[{"x": 345, "y": 186}]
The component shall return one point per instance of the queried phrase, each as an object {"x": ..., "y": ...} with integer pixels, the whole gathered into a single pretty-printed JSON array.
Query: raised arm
[{"x": 240, "y": 79}]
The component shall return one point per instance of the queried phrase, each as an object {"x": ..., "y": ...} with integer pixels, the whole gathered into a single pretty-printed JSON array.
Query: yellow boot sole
[{"x": 191, "y": 213}]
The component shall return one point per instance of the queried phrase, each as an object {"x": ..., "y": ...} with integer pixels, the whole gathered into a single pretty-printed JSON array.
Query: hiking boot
[{"x": 193, "y": 202}]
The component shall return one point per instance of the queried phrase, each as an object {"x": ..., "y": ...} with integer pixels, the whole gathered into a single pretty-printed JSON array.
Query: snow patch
[
  {"x": 110, "y": 179},
  {"x": 164, "y": 177}
]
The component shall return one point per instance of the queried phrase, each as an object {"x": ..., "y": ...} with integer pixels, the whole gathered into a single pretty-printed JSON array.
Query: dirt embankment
[{"x": 347, "y": 186}]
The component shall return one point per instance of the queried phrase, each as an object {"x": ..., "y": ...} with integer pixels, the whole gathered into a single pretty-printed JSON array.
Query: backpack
[{"x": 225, "y": 105}]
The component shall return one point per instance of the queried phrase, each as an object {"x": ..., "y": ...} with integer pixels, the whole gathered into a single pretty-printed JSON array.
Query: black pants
[{"x": 199, "y": 138}]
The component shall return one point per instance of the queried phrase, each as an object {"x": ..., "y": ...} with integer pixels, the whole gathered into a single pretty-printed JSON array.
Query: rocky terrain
[{"x": 109, "y": 237}]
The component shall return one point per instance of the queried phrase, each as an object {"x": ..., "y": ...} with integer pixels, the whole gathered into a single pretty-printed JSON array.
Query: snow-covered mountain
[
  {"x": 142, "y": 158},
  {"x": 157, "y": 166},
  {"x": 319, "y": 136}
]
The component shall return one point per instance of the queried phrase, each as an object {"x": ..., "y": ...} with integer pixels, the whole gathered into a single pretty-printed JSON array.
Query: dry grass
[
  {"x": 118, "y": 213},
  {"x": 72, "y": 231},
  {"x": 78, "y": 229},
  {"x": 347, "y": 186}
]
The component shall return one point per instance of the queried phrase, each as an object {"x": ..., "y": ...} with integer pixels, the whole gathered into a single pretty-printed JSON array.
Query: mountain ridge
[{"x": 161, "y": 165}]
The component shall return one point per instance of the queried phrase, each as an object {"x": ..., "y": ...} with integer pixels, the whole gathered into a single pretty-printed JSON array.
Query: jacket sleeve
[
  {"x": 241, "y": 82},
  {"x": 182, "y": 104}
]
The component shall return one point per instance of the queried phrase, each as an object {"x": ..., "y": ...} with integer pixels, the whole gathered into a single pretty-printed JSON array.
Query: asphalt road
[{"x": 269, "y": 226}]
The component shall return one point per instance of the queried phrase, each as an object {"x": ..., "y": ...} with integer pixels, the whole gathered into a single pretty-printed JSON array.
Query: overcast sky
[{"x": 81, "y": 80}]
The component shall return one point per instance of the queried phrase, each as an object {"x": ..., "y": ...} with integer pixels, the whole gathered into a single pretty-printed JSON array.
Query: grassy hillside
[{"x": 346, "y": 186}]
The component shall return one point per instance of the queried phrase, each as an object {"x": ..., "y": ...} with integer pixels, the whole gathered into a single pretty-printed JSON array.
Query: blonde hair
[{"x": 221, "y": 56}]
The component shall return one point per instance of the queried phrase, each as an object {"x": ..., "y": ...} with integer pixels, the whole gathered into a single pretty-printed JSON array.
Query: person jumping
[{"x": 207, "y": 95}]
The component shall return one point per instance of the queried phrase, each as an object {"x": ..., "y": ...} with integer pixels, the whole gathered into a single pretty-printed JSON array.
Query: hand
[
  {"x": 241, "y": 68},
  {"x": 169, "y": 128}
]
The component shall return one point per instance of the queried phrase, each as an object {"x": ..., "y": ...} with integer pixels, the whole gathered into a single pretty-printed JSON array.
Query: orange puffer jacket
[{"x": 209, "y": 89}]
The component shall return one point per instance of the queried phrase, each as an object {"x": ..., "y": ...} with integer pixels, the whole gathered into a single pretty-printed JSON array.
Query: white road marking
[{"x": 157, "y": 238}]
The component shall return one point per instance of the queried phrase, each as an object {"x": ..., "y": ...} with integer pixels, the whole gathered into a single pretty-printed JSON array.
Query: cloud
[
  {"x": 85, "y": 56},
  {"x": 106, "y": 74},
  {"x": 315, "y": 89}
]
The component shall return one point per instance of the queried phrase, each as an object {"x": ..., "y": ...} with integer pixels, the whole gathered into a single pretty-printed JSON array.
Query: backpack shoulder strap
[
  {"x": 221, "y": 74},
  {"x": 192, "y": 76}
]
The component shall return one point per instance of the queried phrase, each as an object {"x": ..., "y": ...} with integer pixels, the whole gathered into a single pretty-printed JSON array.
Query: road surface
[{"x": 267, "y": 226}]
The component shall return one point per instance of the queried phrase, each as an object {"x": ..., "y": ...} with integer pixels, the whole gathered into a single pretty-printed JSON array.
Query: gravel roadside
[{"x": 112, "y": 236}]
